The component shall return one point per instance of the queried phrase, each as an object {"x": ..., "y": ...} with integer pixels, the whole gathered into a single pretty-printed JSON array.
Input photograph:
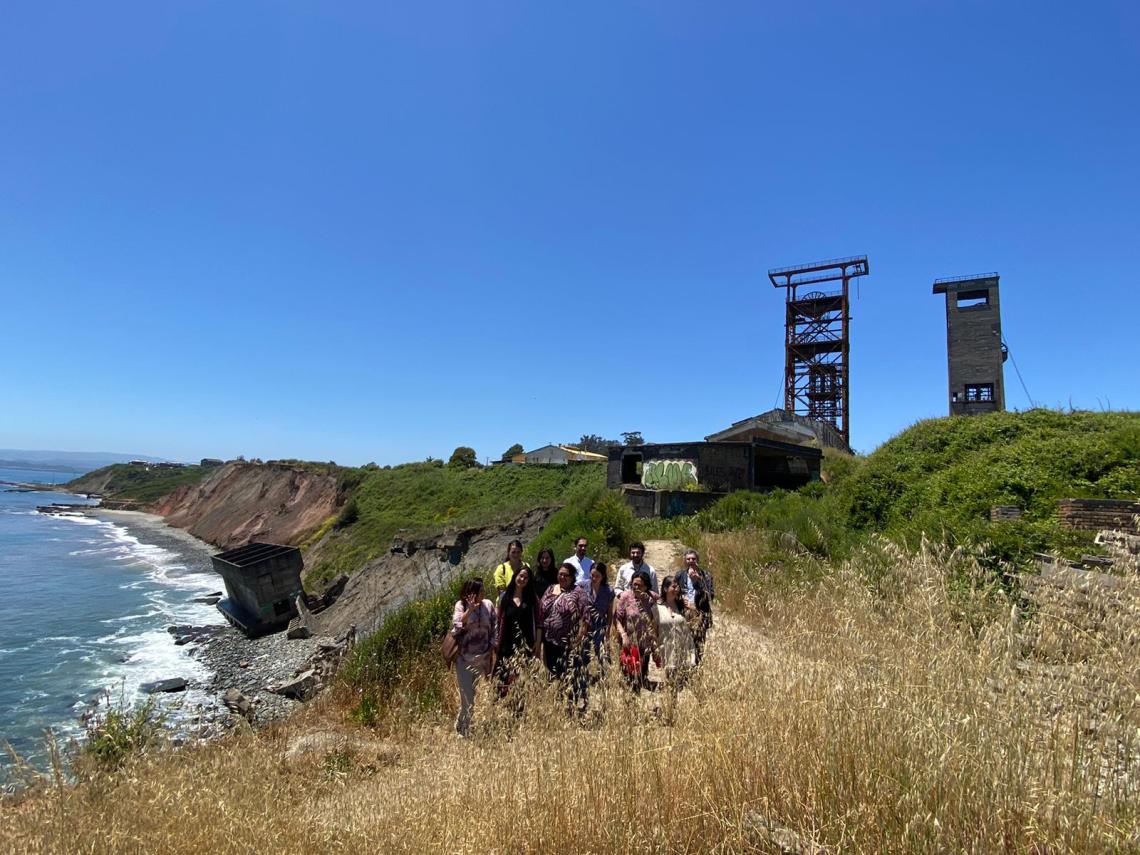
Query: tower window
[
  {"x": 973, "y": 299},
  {"x": 979, "y": 392}
]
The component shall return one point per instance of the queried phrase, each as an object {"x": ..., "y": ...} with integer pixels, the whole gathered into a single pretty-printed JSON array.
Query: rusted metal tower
[{"x": 816, "y": 343}]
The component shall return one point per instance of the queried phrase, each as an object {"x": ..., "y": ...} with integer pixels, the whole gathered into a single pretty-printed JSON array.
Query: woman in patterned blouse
[
  {"x": 637, "y": 624},
  {"x": 565, "y": 623},
  {"x": 675, "y": 636}
]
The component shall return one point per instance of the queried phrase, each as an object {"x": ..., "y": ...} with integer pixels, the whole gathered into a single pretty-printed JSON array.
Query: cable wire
[{"x": 1017, "y": 370}]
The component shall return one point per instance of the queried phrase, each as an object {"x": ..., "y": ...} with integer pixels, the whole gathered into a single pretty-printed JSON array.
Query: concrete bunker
[
  {"x": 263, "y": 581},
  {"x": 668, "y": 480}
]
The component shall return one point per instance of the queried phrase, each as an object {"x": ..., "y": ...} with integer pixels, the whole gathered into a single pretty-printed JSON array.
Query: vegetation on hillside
[
  {"x": 136, "y": 483},
  {"x": 871, "y": 684},
  {"x": 422, "y": 498},
  {"x": 939, "y": 479}
]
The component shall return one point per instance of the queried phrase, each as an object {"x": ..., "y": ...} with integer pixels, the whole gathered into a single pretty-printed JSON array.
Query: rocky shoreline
[
  {"x": 269, "y": 673},
  {"x": 259, "y": 679}
]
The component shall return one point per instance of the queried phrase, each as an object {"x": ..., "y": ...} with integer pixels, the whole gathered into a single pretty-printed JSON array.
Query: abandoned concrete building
[
  {"x": 668, "y": 480},
  {"x": 263, "y": 581},
  {"x": 783, "y": 426},
  {"x": 975, "y": 352}
]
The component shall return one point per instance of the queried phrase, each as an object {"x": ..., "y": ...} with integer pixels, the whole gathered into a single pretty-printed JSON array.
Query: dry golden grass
[{"x": 889, "y": 715}]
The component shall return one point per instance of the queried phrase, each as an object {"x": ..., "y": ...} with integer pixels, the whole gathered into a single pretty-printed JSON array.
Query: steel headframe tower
[{"x": 816, "y": 343}]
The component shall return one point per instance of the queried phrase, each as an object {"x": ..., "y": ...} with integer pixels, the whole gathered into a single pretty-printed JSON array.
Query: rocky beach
[{"x": 260, "y": 679}]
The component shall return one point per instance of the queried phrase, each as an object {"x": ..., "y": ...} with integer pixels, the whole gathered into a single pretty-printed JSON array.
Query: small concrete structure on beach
[{"x": 263, "y": 580}]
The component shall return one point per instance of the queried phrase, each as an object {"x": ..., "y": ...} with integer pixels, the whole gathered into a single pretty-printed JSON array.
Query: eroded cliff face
[
  {"x": 241, "y": 502},
  {"x": 420, "y": 566}
]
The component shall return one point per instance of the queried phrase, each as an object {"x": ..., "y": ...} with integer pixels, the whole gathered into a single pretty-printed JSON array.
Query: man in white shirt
[
  {"x": 636, "y": 563},
  {"x": 582, "y": 564}
]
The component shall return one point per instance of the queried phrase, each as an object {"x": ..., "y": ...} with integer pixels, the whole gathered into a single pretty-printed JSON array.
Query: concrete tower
[{"x": 974, "y": 348}]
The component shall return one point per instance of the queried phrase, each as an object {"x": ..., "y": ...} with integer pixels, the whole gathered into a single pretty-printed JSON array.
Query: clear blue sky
[{"x": 378, "y": 231}]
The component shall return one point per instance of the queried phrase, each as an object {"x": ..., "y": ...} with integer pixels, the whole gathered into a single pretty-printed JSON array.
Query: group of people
[{"x": 564, "y": 615}]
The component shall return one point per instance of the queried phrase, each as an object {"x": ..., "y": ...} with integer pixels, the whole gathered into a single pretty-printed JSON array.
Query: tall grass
[
  {"x": 884, "y": 707},
  {"x": 395, "y": 671}
]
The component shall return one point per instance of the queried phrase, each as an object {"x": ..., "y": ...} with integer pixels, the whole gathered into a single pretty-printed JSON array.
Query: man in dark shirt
[{"x": 697, "y": 585}]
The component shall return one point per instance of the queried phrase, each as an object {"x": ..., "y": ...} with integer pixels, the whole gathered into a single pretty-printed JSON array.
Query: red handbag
[{"x": 630, "y": 660}]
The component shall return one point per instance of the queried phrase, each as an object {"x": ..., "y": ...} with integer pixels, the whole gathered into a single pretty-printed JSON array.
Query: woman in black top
[
  {"x": 545, "y": 572},
  {"x": 519, "y": 629}
]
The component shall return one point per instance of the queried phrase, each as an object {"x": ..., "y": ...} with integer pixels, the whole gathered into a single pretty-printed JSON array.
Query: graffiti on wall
[{"x": 669, "y": 474}]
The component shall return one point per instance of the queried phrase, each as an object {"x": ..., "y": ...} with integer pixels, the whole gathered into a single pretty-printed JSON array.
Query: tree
[
  {"x": 595, "y": 443},
  {"x": 632, "y": 437},
  {"x": 512, "y": 451},
  {"x": 463, "y": 458}
]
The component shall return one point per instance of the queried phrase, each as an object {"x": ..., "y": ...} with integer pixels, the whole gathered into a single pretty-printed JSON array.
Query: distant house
[
  {"x": 783, "y": 426},
  {"x": 559, "y": 455},
  {"x": 210, "y": 461}
]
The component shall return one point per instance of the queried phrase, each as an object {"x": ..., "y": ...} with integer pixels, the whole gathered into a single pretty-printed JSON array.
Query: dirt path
[
  {"x": 728, "y": 633},
  {"x": 667, "y": 557}
]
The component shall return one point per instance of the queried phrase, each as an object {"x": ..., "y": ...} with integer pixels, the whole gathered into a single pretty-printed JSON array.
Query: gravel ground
[
  {"x": 269, "y": 660},
  {"x": 249, "y": 665}
]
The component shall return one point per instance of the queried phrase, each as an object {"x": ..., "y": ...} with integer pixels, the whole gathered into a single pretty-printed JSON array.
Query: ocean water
[{"x": 84, "y": 608}]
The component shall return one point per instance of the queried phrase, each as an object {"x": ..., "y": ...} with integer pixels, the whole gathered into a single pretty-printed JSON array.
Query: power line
[{"x": 1017, "y": 370}]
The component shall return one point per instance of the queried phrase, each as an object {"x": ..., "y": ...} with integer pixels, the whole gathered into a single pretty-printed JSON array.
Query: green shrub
[
  {"x": 349, "y": 514},
  {"x": 939, "y": 479},
  {"x": 942, "y": 476},
  {"x": 121, "y": 731},
  {"x": 598, "y": 514},
  {"x": 422, "y": 498},
  {"x": 463, "y": 458},
  {"x": 381, "y": 664}
]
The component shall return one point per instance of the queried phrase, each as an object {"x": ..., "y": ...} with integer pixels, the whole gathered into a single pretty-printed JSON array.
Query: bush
[
  {"x": 600, "y": 515},
  {"x": 939, "y": 479},
  {"x": 463, "y": 458},
  {"x": 120, "y": 732},
  {"x": 381, "y": 663},
  {"x": 942, "y": 476},
  {"x": 349, "y": 514}
]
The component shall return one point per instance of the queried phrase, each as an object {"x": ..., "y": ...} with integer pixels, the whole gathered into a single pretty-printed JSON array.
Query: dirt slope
[{"x": 249, "y": 501}]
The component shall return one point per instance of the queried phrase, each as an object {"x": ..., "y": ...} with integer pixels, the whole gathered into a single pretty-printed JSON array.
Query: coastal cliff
[{"x": 240, "y": 502}]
